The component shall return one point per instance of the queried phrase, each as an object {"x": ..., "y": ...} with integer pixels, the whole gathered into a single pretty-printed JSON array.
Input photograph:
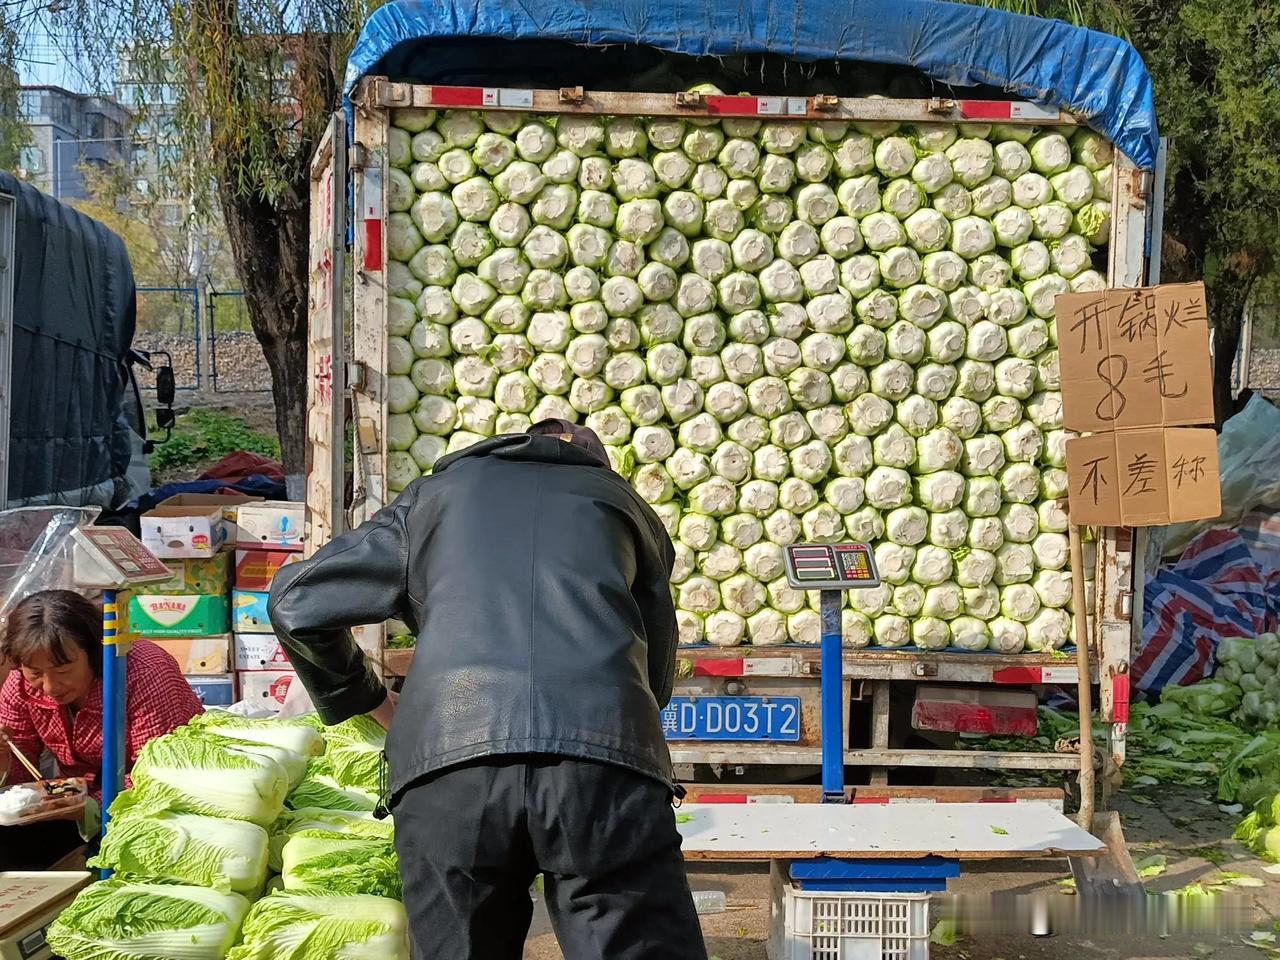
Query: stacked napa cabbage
[
  {"x": 226, "y": 809},
  {"x": 782, "y": 331}
]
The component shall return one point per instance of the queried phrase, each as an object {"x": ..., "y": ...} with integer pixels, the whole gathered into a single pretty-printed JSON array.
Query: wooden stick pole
[{"x": 1084, "y": 690}]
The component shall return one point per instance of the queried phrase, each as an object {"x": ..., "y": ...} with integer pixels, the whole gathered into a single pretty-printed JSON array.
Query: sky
[{"x": 44, "y": 61}]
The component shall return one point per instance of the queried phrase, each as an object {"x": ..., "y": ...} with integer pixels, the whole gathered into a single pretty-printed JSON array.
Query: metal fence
[
  {"x": 169, "y": 323},
  {"x": 1257, "y": 364},
  {"x": 236, "y": 361}
]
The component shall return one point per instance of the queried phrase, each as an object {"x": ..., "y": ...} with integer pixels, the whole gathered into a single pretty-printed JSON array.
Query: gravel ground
[
  {"x": 237, "y": 357},
  {"x": 1188, "y": 830},
  {"x": 1264, "y": 371}
]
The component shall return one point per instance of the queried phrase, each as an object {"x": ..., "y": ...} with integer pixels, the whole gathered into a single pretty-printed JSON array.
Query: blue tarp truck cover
[
  {"x": 70, "y": 437},
  {"x": 1100, "y": 78}
]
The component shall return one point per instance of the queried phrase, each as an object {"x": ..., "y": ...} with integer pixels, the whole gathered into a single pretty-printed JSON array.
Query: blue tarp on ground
[{"x": 1099, "y": 77}]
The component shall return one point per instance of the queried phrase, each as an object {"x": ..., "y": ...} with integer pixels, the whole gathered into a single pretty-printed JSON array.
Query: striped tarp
[{"x": 1225, "y": 584}]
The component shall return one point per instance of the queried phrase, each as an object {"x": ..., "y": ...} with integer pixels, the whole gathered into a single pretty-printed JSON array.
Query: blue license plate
[{"x": 732, "y": 718}]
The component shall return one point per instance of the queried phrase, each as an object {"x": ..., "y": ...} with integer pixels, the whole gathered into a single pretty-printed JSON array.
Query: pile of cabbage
[
  {"x": 1253, "y": 665},
  {"x": 246, "y": 839},
  {"x": 782, "y": 331}
]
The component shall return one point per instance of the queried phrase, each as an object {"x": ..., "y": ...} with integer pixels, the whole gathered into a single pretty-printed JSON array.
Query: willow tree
[
  {"x": 238, "y": 94},
  {"x": 1216, "y": 70},
  {"x": 13, "y": 135}
]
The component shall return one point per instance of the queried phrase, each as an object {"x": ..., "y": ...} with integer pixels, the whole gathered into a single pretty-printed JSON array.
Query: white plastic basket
[{"x": 810, "y": 925}]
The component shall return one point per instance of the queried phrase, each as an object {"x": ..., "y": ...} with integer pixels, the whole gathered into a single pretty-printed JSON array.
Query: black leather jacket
[{"x": 536, "y": 580}]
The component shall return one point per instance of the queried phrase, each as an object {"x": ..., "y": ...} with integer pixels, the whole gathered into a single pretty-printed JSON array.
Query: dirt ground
[{"x": 1185, "y": 827}]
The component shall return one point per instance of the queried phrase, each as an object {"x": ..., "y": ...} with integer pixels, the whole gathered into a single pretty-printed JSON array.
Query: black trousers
[{"x": 472, "y": 839}]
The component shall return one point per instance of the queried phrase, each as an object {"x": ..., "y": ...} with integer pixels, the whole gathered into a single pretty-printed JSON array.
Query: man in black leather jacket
[{"x": 528, "y": 737}]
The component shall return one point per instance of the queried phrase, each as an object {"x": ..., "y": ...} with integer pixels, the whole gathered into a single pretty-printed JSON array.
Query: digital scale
[
  {"x": 29, "y": 903},
  {"x": 831, "y": 568},
  {"x": 834, "y": 567}
]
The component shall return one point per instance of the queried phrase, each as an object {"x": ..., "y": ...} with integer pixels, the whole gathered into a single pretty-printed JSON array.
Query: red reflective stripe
[
  {"x": 956, "y": 717},
  {"x": 735, "y": 106},
  {"x": 1120, "y": 690},
  {"x": 457, "y": 96},
  {"x": 718, "y": 668},
  {"x": 1017, "y": 675},
  {"x": 986, "y": 109},
  {"x": 721, "y": 798},
  {"x": 373, "y": 244}
]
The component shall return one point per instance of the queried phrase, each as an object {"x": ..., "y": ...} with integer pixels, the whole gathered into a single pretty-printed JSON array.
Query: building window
[
  {"x": 32, "y": 160},
  {"x": 31, "y": 105}
]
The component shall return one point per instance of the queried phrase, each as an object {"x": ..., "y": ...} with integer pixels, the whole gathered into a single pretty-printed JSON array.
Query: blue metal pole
[
  {"x": 832, "y": 700},
  {"x": 113, "y": 706}
]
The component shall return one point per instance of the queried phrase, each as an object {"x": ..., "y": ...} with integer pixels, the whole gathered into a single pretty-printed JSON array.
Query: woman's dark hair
[{"x": 49, "y": 622}]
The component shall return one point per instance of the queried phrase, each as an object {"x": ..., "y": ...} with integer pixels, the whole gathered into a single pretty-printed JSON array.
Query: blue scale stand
[{"x": 832, "y": 569}]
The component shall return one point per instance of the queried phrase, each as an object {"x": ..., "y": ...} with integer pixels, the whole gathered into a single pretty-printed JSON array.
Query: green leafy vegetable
[
  {"x": 314, "y": 819},
  {"x": 122, "y": 920},
  {"x": 294, "y": 926},
  {"x": 184, "y": 848},
  {"x": 319, "y": 788},
  {"x": 353, "y": 752},
  {"x": 330, "y": 863},
  {"x": 192, "y": 773},
  {"x": 300, "y": 736}
]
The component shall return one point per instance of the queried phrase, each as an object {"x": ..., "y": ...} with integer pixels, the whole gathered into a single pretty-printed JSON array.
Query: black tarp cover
[{"x": 74, "y": 315}]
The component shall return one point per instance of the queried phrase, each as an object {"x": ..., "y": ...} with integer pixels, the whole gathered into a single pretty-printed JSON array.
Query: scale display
[{"x": 831, "y": 566}]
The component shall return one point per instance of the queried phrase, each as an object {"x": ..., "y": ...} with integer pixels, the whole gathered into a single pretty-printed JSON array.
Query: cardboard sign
[
  {"x": 1143, "y": 478},
  {"x": 1135, "y": 358}
]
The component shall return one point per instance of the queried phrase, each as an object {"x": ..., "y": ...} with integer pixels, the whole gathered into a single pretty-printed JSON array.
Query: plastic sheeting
[
  {"x": 70, "y": 440},
  {"x": 1226, "y": 584},
  {"x": 1099, "y": 77}
]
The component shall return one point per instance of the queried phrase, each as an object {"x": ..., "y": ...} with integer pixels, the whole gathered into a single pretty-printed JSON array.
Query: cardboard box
[
  {"x": 266, "y": 689},
  {"x": 193, "y": 575},
  {"x": 191, "y": 525},
  {"x": 168, "y": 616},
  {"x": 1135, "y": 358},
  {"x": 259, "y": 651},
  {"x": 272, "y": 525},
  {"x": 199, "y": 655},
  {"x": 255, "y": 569},
  {"x": 215, "y": 691},
  {"x": 1142, "y": 478},
  {"x": 249, "y": 611}
]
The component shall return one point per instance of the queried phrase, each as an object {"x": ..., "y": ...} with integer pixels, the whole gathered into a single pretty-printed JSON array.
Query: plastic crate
[{"x": 850, "y": 926}]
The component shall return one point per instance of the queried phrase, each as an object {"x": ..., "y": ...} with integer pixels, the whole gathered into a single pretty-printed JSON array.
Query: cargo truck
[
  {"x": 862, "y": 69},
  {"x": 72, "y": 424}
]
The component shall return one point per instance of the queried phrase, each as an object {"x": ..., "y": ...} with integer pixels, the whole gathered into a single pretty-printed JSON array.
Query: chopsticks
[{"x": 22, "y": 759}]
